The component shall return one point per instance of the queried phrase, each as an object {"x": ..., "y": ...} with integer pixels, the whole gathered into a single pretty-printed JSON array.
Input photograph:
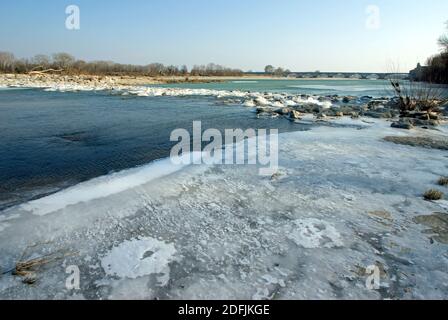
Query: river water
[{"x": 52, "y": 140}]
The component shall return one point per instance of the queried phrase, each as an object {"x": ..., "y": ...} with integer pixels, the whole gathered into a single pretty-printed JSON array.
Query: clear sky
[{"x": 302, "y": 35}]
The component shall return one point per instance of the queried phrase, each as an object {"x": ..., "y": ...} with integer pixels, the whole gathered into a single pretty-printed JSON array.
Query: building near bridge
[{"x": 418, "y": 73}]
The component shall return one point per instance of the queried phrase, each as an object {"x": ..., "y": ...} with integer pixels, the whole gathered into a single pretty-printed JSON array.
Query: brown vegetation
[
  {"x": 424, "y": 142},
  {"x": 443, "y": 181},
  {"x": 67, "y": 64},
  {"x": 433, "y": 195},
  {"x": 437, "y": 65},
  {"x": 278, "y": 72},
  {"x": 418, "y": 100}
]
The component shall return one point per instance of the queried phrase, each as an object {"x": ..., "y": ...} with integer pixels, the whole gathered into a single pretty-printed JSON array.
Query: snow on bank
[
  {"x": 342, "y": 200},
  {"x": 138, "y": 258},
  {"x": 313, "y": 233}
]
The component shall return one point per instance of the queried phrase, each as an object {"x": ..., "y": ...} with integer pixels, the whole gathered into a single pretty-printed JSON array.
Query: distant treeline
[
  {"x": 67, "y": 64},
  {"x": 279, "y": 72},
  {"x": 436, "y": 70}
]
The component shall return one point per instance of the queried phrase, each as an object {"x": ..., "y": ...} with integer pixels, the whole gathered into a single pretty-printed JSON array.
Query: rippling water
[{"x": 51, "y": 140}]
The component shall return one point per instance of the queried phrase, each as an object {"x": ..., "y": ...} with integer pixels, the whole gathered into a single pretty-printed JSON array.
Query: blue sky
[{"x": 302, "y": 35}]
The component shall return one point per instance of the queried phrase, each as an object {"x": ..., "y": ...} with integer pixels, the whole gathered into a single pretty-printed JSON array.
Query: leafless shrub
[
  {"x": 443, "y": 181},
  {"x": 417, "y": 96}
]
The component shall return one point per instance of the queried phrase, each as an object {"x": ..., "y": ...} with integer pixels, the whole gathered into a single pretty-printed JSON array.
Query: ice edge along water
[
  {"x": 300, "y": 236},
  {"x": 105, "y": 186},
  {"x": 115, "y": 183}
]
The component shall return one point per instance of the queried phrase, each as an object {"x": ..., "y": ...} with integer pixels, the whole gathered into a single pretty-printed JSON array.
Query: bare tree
[
  {"x": 66, "y": 63},
  {"x": 437, "y": 70},
  {"x": 156, "y": 69},
  {"x": 7, "y": 61},
  {"x": 214, "y": 70},
  {"x": 184, "y": 70},
  {"x": 269, "y": 69},
  {"x": 63, "y": 60},
  {"x": 417, "y": 99},
  {"x": 41, "y": 61},
  {"x": 279, "y": 72},
  {"x": 443, "y": 41}
]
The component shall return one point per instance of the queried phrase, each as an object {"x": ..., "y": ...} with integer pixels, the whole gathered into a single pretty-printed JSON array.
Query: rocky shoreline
[
  {"x": 290, "y": 106},
  {"x": 354, "y": 107},
  {"x": 14, "y": 80}
]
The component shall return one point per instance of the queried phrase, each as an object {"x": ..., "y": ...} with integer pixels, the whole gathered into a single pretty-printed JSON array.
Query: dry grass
[
  {"x": 28, "y": 268},
  {"x": 433, "y": 194},
  {"x": 443, "y": 181}
]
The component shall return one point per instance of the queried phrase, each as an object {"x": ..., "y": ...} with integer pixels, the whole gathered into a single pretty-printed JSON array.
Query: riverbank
[
  {"x": 343, "y": 200},
  {"x": 37, "y": 80},
  {"x": 42, "y": 79}
]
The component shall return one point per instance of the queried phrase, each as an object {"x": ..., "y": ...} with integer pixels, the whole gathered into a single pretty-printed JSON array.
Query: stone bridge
[
  {"x": 349, "y": 75},
  {"x": 342, "y": 75}
]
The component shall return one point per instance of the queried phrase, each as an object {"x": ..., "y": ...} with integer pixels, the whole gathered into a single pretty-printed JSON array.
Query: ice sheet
[{"x": 343, "y": 200}]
